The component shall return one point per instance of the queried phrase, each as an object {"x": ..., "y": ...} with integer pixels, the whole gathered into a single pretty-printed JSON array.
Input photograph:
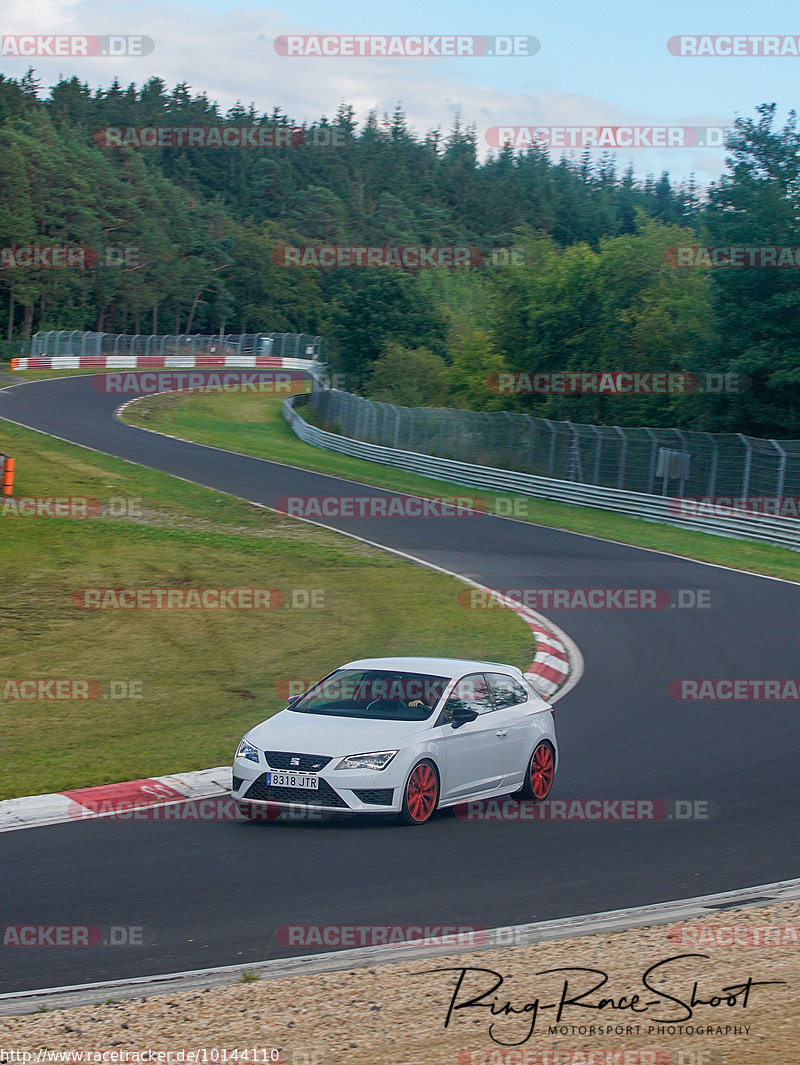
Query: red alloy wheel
[
  {"x": 422, "y": 794},
  {"x": 541, "y": 771}
]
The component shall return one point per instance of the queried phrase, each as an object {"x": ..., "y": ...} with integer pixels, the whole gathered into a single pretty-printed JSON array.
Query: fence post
[
  {"x": 428, "y": 420},
  {"x": 552, "y": 457},
  {"x": 575, "y": 456},
  {"x": 510, "y": 422},
  {"x": 598, "y": 453},
  {"x": 781, "y": 469},
  {"x": 490, "y": 447},
  {"x": 748, "y": 463},
  {"x": 712, "y": 477},
  {"x": 682, "y": 437},
  {"x": 623, "y": 459},
  {"x": 651, "y": 476}
]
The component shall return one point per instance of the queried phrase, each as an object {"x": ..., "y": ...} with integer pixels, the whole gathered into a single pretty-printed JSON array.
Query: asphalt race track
[{"x": 214, "y": 893}]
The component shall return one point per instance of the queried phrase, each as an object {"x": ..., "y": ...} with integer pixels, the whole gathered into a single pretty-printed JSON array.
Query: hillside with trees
[{"x": 575, "y": 269}]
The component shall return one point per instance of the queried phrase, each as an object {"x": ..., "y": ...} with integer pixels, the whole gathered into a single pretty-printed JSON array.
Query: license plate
[{"x": 293, "y": 780}]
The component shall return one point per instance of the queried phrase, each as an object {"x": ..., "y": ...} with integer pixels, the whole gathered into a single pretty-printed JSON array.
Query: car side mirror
[
  {"x": 292, "y": 699},
  {"x": 463, "y": 714}
]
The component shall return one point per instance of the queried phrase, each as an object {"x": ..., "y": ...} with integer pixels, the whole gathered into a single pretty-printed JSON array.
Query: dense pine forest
[{"x": 573, "y": 263}]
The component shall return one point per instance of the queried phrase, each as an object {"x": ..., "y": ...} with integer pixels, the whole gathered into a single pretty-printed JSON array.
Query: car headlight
[
  {"x": 247, "y": 750},
  {"x": 375, "y": 760}
]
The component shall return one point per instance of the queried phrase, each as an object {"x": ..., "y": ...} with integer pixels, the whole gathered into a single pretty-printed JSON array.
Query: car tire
[
  {"x": 539, "y": 774},
  {"x": 420, "y": 795}
]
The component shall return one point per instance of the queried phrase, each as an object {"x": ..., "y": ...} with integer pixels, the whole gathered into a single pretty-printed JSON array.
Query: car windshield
[{"x": 379, "y": 694}]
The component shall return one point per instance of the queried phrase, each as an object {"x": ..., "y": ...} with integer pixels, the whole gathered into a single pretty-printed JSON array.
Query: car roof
[{"x": 441, "y": 667}]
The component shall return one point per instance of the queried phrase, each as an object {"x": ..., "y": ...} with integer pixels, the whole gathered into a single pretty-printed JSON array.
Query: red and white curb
[
  {"x": 159, "y": 362},
  {"x": 550, "y": 667},
  {"x": 32, "y": 811}
]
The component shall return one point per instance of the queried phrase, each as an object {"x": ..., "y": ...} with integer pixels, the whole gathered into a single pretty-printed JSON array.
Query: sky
[{"x": 592, "y": 65}]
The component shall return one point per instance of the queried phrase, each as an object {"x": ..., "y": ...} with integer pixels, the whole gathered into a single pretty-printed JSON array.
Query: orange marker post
[{"x": 8, "y": 477}]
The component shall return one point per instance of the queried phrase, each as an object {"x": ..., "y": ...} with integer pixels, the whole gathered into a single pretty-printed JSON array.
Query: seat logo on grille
[{"x": 295, "y": 761}]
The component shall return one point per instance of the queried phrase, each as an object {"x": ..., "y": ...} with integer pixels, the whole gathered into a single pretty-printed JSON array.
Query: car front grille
[
  {"x": 306, "y": 763},
  {"x": 323, "y": 796},
  {"x": 375, "y": 796},
  {"x": 236, "y": 782}
]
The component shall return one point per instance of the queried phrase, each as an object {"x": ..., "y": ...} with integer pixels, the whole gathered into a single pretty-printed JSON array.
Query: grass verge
[
  {"x": 252, "y": 424},
  {"x": 200, "y": 677}
]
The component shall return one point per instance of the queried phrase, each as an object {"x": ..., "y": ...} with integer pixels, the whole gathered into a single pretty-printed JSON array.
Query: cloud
[{"x": 230, "y": 57}]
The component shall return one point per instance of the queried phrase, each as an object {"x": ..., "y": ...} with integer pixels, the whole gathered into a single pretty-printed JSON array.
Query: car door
[
  {"x": 515, "y": 709},
  {"x": 475, "y": 755}
]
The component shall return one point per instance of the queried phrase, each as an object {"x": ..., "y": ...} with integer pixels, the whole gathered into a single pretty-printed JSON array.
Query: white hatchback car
[{"x": 401, "y": 735}]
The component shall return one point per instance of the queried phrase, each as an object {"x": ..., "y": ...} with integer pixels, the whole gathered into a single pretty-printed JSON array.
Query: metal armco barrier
[
  {"x": 61, "y": 349},
  {"x": 59, "y": 342},
  {"x": 652, "y": 461},
  {"x": 775, "y": 530},
  {"x": 7, "y": 466}
]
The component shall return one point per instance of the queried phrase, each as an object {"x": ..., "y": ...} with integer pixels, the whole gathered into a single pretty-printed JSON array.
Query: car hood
[{"x": 334, "y": 736}]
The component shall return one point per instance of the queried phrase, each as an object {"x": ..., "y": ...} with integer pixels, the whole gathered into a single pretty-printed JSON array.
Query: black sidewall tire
[{"x": 526, "y": 791}]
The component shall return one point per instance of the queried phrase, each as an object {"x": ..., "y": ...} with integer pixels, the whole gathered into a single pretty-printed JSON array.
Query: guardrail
[
  {"x": 75, "y": 342},
  {"x": 669, "y": 510},
  {"x": 653, "y": 461}
]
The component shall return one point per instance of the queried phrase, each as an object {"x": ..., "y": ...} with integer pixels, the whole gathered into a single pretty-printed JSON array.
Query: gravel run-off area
[{"x": 395, "y": 1013}]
